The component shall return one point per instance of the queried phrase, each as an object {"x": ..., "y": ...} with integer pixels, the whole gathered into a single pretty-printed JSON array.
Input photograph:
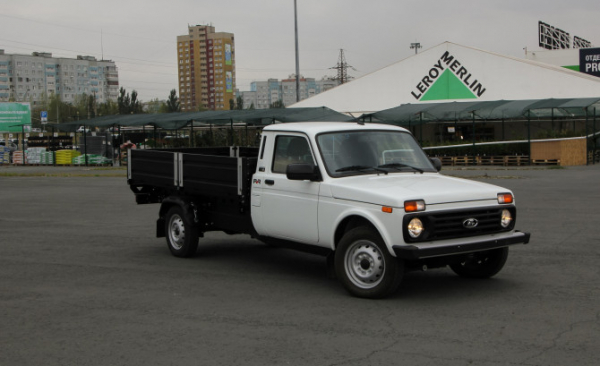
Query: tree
[
  {"x": 129, "y": 104},
  {"x": 85, "y": 106},
  {"x": 156, "y": 106},
  {"x": 60, "y": 112},
  {"x": 237, "y": 104},
  {"x": 92, "y": 107},
  {"x": 108, "y": 108},
  {"x": 135, "y": 104},
  {"x": 173, "y": 104},
  {"x": 277, "y": 105},
  {"x": 124, "y": 101}
]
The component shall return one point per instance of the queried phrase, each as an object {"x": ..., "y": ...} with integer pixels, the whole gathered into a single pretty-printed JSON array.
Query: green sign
[
  {"x": 448, "y": 86},
  {"x": 447, "y": 79},
  {"x": 13, "y": 116}
]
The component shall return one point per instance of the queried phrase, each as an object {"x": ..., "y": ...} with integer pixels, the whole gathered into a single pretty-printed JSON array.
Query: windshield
[{"x": 369, "y": 152}]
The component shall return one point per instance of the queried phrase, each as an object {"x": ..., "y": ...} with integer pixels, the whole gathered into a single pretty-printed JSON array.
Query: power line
[{"x": 80, "y": 29}]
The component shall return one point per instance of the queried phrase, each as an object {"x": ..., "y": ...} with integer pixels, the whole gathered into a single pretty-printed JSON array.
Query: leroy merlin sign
[
  {"x": 448, "y": 78},
  {"x": 13, "y": 116}
]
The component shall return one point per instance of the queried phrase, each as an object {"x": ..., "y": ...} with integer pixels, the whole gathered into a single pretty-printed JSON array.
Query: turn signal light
[
  {"x": 386, "y": 209},
  {"x": 505, "y": 198},
  {"x": 414, "y": 206}
]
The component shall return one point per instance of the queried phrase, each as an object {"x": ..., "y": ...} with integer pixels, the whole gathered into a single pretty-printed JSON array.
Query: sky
[{"x": 140, "y": 35}]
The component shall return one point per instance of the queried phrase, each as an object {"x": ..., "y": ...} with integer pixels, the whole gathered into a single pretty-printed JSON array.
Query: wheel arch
[
  {"x": 356, "y": 219},
  {"x": 186, "y": 205}
]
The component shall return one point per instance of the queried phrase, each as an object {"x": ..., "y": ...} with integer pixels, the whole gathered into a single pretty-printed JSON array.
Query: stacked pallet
[
  {"x": 34, "y": 155},
  {"x": 463, "y": 160},
  {"x": 47, "y": 158},
  {"x": 447, "y": 160},
  {"x": 546, "y": 162},
  {"x": 92, "y": 159},
  {"x": 4, "y": 155},
  {"x": 65, "y": 157},
  {"x": 516, "y": 160},
  {"x": 18, "y": 157}
]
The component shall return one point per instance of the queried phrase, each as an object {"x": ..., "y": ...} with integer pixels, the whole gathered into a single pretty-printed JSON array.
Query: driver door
[{"x": 289, "y": 207}]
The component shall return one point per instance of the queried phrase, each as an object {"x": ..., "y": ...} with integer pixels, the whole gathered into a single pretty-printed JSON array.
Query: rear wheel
[
  {"x": 181, "y": 233},
  {"x": 481, "y": 264},
  {"x": 364, "y": 265}
]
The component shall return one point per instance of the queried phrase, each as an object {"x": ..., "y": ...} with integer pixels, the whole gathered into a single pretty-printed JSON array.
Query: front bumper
[{"x": 413, "y": 252}]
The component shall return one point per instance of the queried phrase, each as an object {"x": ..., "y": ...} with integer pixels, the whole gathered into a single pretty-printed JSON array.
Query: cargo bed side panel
[
  {"x": 210, "y": 175},
  {"x": 150, "y": 167}
]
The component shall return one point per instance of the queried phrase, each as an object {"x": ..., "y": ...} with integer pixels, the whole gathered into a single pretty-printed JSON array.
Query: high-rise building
[
  {"x": 206, "y": 61},
  {"x": 33, "y": 78}
]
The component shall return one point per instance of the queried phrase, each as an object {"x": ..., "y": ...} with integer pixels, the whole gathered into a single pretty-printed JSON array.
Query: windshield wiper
[
  {"x": 400, "y": 165},
  {"x": 357, "y": 168}
]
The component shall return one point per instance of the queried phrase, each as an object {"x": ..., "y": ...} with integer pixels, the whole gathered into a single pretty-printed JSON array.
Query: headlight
[
  {"x": 415, "y": 227},
  {"x": 506, "y": 218}
]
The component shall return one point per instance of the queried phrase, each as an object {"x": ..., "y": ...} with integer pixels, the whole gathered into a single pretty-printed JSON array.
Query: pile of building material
[
  {"x": 4, "y": 155},
  {"x": 65, "y": 157},
  {"x": 92, "y": 159},
  {"x": 18, "y": 157},
  {"x": 34, "y": 155}
]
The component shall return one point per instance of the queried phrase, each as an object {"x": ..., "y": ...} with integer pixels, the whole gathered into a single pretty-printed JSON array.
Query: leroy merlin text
[{"x": 454, "y": 65}]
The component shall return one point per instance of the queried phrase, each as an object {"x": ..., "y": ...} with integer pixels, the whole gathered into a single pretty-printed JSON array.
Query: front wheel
[
  {"x": 182, "y": 235},
  {"x": 364, "y": 265},
  {"x": 481, "y": 264}
]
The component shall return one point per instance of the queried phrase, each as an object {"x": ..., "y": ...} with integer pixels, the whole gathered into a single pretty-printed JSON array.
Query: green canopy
[
  {"x": 175, "y": 121},
  {"x": 488, "y": 110}
]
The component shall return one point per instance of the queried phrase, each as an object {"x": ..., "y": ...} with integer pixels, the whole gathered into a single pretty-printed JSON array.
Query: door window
[{"x": 290, "y": 150}]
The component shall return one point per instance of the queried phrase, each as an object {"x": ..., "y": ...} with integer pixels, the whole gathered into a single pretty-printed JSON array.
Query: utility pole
[
  {"x": 297, "y": 54},
  {"x": 342, "y": 69},
  {"x": 415, "y": 46}
]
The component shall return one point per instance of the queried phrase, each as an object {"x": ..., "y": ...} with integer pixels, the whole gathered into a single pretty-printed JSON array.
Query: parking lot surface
[{"x": 84, "y": 281}]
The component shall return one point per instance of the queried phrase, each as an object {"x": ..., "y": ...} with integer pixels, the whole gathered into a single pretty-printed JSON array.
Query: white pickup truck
[{"x": 365, "y": 195}]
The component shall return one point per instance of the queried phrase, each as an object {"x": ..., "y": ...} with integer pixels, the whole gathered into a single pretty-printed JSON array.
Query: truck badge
[{"x": 470, "y": 223}]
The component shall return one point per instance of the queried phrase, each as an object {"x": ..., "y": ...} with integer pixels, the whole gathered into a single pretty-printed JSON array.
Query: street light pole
[
  {"x": 297, "y": 55},
  {"x": 415, "y": 46}
]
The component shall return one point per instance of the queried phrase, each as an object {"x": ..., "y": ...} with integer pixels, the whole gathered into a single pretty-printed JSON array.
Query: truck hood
[{"x": 395, "y": 188}]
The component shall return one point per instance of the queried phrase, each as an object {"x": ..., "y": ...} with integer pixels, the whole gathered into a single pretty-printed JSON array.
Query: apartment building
[
  {"x": 32, "y": 78},
  {"x": 206, "y": 68},
  {"x": 264, "y": 93}
]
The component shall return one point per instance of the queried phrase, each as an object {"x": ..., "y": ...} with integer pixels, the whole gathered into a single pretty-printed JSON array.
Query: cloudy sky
[{"x": 140, "y": 35}]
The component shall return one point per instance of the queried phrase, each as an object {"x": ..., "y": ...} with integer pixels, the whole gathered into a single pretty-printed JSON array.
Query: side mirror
[
  {"x": 437, "y": 163},
  {"x": 303, "y": 172}
]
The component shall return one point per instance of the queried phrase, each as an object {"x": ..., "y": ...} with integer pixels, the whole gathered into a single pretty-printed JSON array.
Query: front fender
[{"x": 388, "y": 225}]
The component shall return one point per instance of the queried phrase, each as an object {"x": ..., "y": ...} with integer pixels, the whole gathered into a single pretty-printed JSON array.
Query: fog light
[
  {"x": 415, "y": 227},
  {"x": 506, "y": 218}
]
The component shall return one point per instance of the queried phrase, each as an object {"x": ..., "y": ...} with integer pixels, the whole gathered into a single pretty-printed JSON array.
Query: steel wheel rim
[
  {"x": 364, "y": 264},
  {"x": 176, "y": 232}
]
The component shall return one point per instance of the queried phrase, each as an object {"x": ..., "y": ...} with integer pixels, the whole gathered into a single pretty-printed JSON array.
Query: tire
[
  {"x": 481, "y": 264},
  {"x": 364, "y": 265},
  {"x": 181, "y": 233}
]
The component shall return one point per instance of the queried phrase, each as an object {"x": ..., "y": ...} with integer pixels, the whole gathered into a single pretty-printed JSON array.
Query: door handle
[{"x": 269, "y": 182}]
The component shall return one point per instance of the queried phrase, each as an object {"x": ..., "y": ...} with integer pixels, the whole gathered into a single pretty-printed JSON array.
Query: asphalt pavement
[{"x": 84, "y": 281}]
